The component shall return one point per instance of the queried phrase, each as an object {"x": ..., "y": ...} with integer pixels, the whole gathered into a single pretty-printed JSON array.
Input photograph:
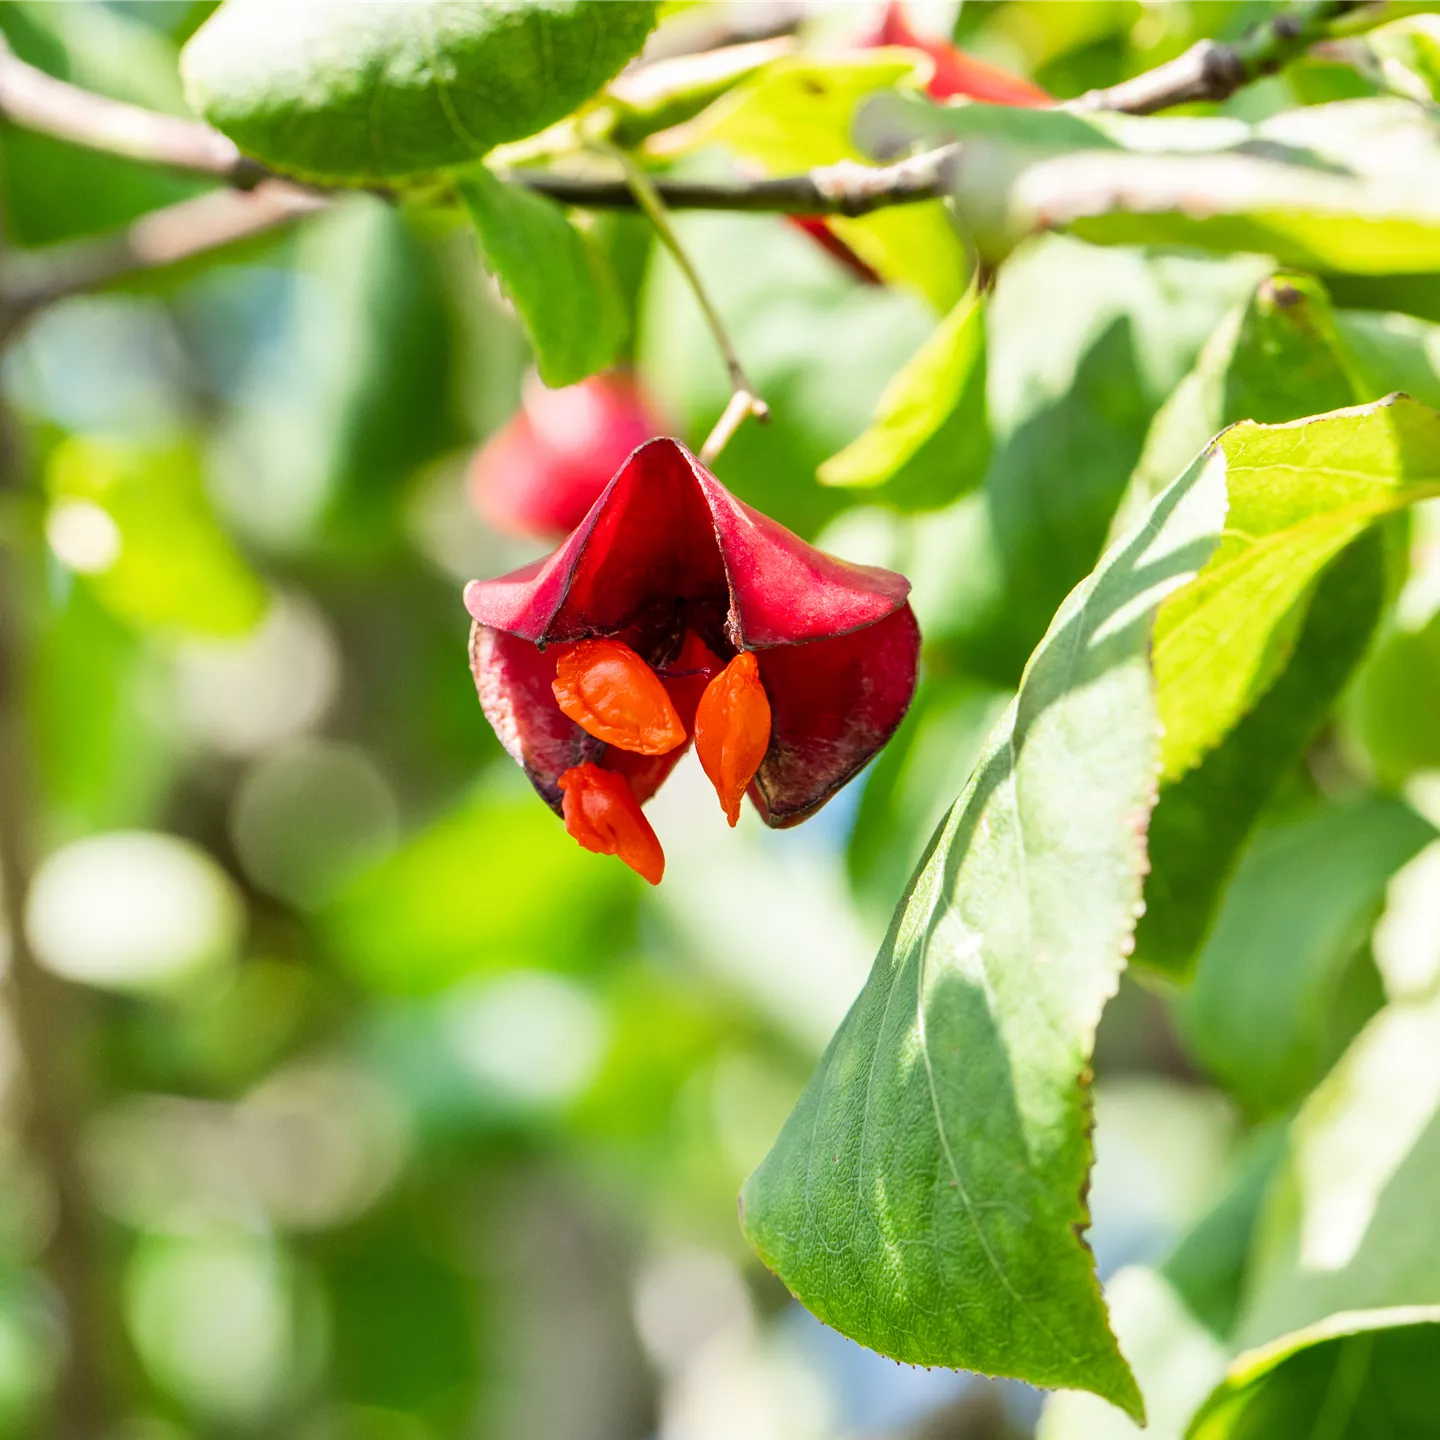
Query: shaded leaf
[
  {"x": 1267, "y": 1001},
  {"x": 1203, "y": 819},
  {"x": 1207, "y": 1265},
  {"x": 335, "y": 91},
  {"x": 929, "y": 441},
  {"x": 926, "y": 1196},
  {"x": 1391, "y": 352},
  {"x": 1083, "y": 344},
  {"x": 1352, "y": 1375},
  {"x": 1396, "y": 700},
  {"x": 559, "y": 282}
]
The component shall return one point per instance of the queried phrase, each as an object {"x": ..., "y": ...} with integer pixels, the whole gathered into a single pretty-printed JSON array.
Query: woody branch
[{"x": 260, "y": 200}]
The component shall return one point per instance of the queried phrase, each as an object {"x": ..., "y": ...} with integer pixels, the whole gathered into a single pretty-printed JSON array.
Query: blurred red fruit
[
  {"x": 541, "y": 473},
  {"x": 957, "y": 73}
]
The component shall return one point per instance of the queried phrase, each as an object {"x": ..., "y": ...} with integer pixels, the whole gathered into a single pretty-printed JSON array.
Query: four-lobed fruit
[{"x": 336, "y": 91}]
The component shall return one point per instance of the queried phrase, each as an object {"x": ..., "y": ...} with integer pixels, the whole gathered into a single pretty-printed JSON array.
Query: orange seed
[
  {"x": 612, "y": 694},
  {"x": 602, "y": 813},
  {"x": 732, "y": 730}
]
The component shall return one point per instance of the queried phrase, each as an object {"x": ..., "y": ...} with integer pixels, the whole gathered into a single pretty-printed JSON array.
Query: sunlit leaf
[
  {"x": 557, "y": 279},
  {"x": 384, "y": 91},
  {"x": 929, "y": 441},
  {"x": 927, "y": 1194},
  {"x": 1299, "y": 493}
]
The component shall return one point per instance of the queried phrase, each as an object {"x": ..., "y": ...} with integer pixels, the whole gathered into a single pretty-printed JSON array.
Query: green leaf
[
  {"x": 1207, "y": 1265},
  {"x": 558, "y": 281},
  {"x": 798, "y": 114},
  {"x": 1299, "y": 494},
  {"x": 929, "y": 441},
  {"x": 1396, "y": 699},
  {"x": 1353, "y": 1375},
  {"x": 1391, "y": 352},
  {"x": 1267, "y": 1009},
  {"x": 1176, "y": 1361},
  {"x": 1349, "y": 1221},
  {"x": 364, "y": 93},
  {"x": 1203, "y": 819},
  {"x": 151, "y": 549},
  {"x": 1083, "y": 344},
  {"x": 927, "y": 1195},
  {"x": 1277, "y": 356},
  {"x": 908, "y": 786}
]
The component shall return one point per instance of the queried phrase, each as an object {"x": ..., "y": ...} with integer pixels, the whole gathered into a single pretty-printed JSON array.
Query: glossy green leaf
[
  {"x": 1268, "y": 1011},
  {"x": 798, "y": 114},
  {"x": 1299, "y": 494},
  {"x": 557, "y": 279},
  {"x": 134, "y": 519},
  {"x": 1348, "y": 1377},
  {"x": 385, "y": 91},
  {"x": 929, "y": 441},
  {"x": 927, "y": 1195}
]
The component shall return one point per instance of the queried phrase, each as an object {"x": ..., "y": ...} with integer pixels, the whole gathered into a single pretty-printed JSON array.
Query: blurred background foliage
[{"x": 402, "y": 1117}]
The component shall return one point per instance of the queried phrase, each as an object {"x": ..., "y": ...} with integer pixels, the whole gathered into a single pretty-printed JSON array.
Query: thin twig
[
  {"x": 156, "y": 241},
  {"x": 36, "y": 101},
  {"x": 847, "y": 188},
  {"x": 1210, "y": 71},
  {"x": 744, "y": 398}
]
